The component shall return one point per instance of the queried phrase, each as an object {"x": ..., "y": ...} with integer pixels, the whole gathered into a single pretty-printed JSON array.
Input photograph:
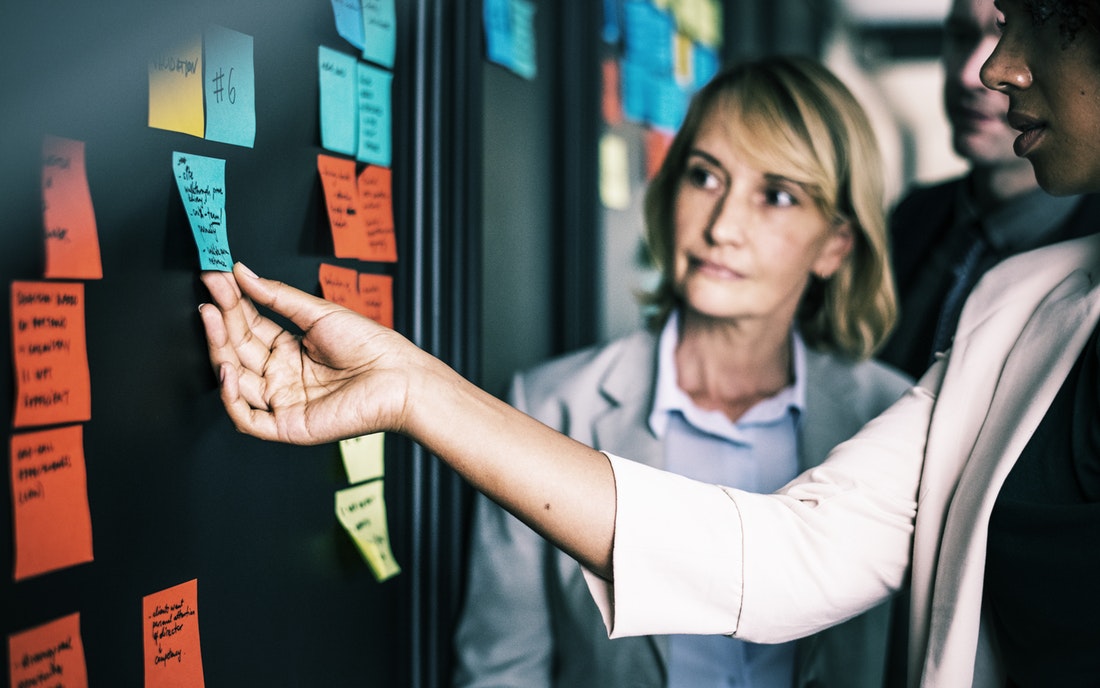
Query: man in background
[{"x": 944, "y": 237}]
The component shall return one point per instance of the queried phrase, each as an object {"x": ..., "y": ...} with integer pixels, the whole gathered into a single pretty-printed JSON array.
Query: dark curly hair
[{"x": 1072, "y": 15}]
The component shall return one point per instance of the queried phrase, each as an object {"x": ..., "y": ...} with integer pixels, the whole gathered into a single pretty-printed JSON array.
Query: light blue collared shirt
[{"x": 758, "y": 453}]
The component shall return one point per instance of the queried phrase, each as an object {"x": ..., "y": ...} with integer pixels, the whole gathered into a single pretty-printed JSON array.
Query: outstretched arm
[{"x": 342, "y": 375}]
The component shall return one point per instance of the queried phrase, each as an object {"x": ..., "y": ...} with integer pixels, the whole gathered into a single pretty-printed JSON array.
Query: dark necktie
[{"x": 964, "y": 275}]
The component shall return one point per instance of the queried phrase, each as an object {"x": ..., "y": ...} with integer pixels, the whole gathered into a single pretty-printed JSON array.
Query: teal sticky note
[
  {"x": 229, "y": 86},
  {"x": 524, "y": 57},
  {"x": 349, "y": 21},
  {"x": 373, "y": 90},
  {"x": 338, "y": 78},
  {"x": 379, "y": 31},
  {"x": 201, "y": 183}
]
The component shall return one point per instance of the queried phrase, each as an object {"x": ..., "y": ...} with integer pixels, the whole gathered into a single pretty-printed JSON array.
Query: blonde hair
[{"x": 791, "y": 116}]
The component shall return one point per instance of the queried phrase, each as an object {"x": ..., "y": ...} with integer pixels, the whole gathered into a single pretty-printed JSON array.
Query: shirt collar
[
  {"x": 668, "y": 398},
  {"x": 1021, "y": 223}
]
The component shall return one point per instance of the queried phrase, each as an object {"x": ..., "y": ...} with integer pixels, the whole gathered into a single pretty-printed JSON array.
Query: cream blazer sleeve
[{"x": 696, "y": 558}]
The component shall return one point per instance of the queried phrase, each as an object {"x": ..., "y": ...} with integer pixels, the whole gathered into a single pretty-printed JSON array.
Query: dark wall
[{"x": 175, "y": 493}]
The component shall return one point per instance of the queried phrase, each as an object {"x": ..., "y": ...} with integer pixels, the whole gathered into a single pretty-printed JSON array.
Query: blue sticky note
[
  {"x": 634, "y": 85},
  {"x": 379, "y": 31},
  {"x": 497, "y": 22},
  {"x": 349, "y": 21},
  {"x": 524, "y": 55},
  {"x": 668, "y": 105},
  {"x": 229, "y": 87},
  {"x": 648, "y": 36},
  {"x": 706, "y": 65},
  {"x": 201, "y": 183},
  {"x": 611, "y": 30},
  {"x": 373, "y": 90},
  {"x": 337, "y": 76}
]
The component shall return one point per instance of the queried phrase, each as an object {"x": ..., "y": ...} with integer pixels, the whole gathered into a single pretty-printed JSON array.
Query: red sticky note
[
  {"x": 376, "y": 206},
  {"x": 52, "y": 382},
  {"x": 349, "y": 234},
  {"x": 72, "y": 243},
  {"x": 173, "y": 656},
  {"x": 49, "y": 497},
  {"x": 376, "y": 297},
  {"x": 48, "y": 655},
  {"x": 340, "y": 285}
]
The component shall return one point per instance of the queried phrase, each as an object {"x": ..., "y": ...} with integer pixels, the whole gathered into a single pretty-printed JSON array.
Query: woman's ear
[{"x": 835, "y": 250}]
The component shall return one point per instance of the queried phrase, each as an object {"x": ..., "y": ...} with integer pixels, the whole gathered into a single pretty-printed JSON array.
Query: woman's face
[
  {"x": 1054, "y": 97},
  {"x": 747, "y": 240}
]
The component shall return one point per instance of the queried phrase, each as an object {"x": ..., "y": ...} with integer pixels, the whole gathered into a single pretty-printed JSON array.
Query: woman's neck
[{"x": 730, "y": 367}]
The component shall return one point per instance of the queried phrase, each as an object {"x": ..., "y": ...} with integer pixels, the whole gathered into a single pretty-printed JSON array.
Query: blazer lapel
[{"x": 1034, "y": 371}]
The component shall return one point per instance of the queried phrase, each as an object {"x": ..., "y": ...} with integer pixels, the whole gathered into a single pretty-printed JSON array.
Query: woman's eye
[
  {"x": 702, "y": 178},
  {"x": 780, "y": 198}
]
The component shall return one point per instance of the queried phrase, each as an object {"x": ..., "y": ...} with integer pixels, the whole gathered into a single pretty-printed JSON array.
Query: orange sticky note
[
  {"x": 611, "y": 104},
  {"x": 48, "y": 655},
  {"x": 349, "y": 234},
  {"x": 72, "y": 244},
  {"x": 49, "y": 497},
  {"x": 173, "y": 656},
  {"x": 376, "y": 205},
  {"x": 340, "y": 285},
  {"x": 657, "y": 144},
  {"x": 376, "y": 297},
  {"x": 52, "y": 383}
]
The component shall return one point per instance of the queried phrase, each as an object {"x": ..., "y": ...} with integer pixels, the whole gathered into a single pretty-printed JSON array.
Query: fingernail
[{"x": 246, "y": 270}]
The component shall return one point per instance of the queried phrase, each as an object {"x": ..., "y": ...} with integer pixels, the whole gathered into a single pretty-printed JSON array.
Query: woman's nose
[{"x": 1005, "y": 70}]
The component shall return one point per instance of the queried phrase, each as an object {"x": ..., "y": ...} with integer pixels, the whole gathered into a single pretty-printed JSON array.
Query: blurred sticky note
[
  {"x": 349, "y": 21},
  {"x": 379, "y": 31},
  {"x": 201, "y": 183},
  {"x": 175, "y": 88},
  {"x": 72, "y": 242},
  {"x": 361, "y": 509},
  {"x": 376, "y": 298},
  {"x": 173, "y": 655},
  {"x": 375, "y": 116},
  {"x": 376, "y": 208},
  {"x": 230, "y": 87},
  {"x": 611, "y": 104},
  {"x": 51, "y": 654},
  {"x": 349, "y": 234},
  {"x": 50, "y": 351},
  {"x": 614, "y": 172},
  {"x": 53, "y": 525},
  {"x": 363, "y": 457},
  {"x": 339, "y": 104},
  {"x": 339, "y": 285},
  {"x": 509, "y": 27}
]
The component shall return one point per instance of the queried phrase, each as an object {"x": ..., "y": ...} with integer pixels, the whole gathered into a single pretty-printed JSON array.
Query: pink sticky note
[{"x": 72, "y": 244}]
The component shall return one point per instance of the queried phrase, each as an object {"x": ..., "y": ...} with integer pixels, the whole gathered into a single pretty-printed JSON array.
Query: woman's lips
[{"x": 1031, "y": 133}]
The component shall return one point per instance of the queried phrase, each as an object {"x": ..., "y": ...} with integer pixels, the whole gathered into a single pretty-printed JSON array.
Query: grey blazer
[{"x": 528, "y": 618}]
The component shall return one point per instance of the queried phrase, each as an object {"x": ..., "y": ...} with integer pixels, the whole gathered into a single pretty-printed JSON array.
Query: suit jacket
[
  {"x": 914, "y": 487},
  {"x": 529, "y": 620},
  {"x": 919, "y": 226}
]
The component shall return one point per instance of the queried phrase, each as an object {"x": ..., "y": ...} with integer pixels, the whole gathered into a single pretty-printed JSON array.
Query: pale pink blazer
[{"x": 912, "y": 491}]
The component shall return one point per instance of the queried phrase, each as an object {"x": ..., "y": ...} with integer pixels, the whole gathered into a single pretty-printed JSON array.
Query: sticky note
[
  {"x": 173, "y": 655},
  {"x": 349, "y": 21},
  {"x": 363, "y": 457},
  {"x": 49, "y": 490},
  {"x": 361, "y": 509},
  {"x": 72, "y": 242},
  {"x": 375, "y": 114},
  {"x": 337, "y": 78},
  {"x": 49, "y": 345},
  {"x": 339, "y": 285},
  {"x": 338, "y": 181},
  {"x": 379, "y": 31},
  {"x": 201, "y": 183},
  {"x": 524, "y": 49},
  {"x": 51, "y": 654},
  {"x": 611, "y": 104},
  {"x": 614, "y": 172},
  {"x": 376, "y": 298},
  {"x": 376, "y": 209},
  {"x": 230, "y": 87},
  {"x": 175, "y": 88}
]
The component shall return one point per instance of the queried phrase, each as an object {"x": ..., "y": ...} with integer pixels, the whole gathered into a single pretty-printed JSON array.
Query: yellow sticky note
[
  {"x": 614, "y": 172},
  {"x": 363, "y": 457},
  {"x": 175, "y": 88},
  {"x": 362, "y": 511}
]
